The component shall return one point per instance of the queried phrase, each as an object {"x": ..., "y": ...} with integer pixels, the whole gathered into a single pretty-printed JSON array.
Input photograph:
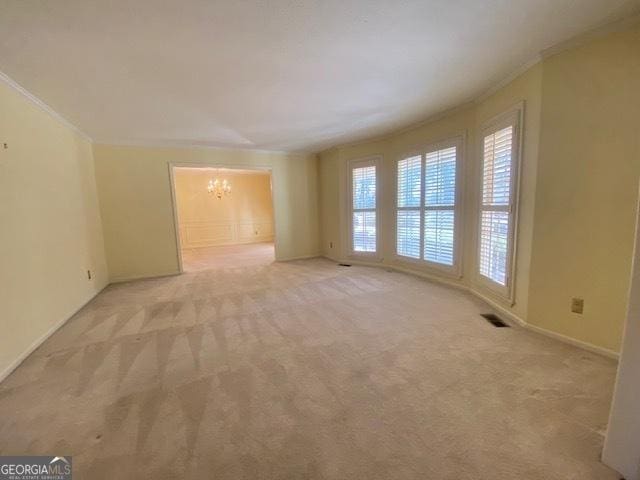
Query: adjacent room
[
  {"x": 225, "y": 217},
  {"x": 320, "y": 240}
]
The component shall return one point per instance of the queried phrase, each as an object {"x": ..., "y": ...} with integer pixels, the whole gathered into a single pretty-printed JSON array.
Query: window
[
  {"x": 427, "y": 205},
  {"x": 500, "y": 148},
  {"x": 364, "y": 217},
  {"x": 409, "y": 211}
]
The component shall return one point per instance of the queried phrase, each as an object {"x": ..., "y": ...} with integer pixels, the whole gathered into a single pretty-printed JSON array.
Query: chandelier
[{"x": 218, "y": 188}]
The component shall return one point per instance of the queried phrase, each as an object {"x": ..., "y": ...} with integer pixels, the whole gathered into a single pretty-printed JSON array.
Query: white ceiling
[{"x": 273, "y": 74}]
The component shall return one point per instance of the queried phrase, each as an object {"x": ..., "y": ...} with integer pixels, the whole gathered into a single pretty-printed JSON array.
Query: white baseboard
[
  {"x": 329, "y": 257},
  {"x": 142, "y": 277},
  {"x": 171, "y": 274},
  {"x": 513, "y": 318},
  {"x": 574, "y": 341},
  {"x": 506, "y": 313},
  {"x": 509, "y": 315},
  {"x": 39, "y": 341},
  {"x": 409, "y": 271},
  {"x": 302, "y": 257}
]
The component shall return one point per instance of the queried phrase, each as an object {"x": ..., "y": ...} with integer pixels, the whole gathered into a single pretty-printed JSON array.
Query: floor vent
[
  {"x": 494, "y": 320},
  {"x": 344, "y": 264}
]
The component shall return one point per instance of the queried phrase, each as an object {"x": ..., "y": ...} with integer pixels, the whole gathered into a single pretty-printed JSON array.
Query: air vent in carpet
[
  {"x": 494, "y": 320},
  {"x": 344, "y": 265}
]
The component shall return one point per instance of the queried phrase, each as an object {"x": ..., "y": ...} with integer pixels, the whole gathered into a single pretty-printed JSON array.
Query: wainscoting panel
[
  {"x": 251, "y": 231},
  {"x": 207, "y": 234}
]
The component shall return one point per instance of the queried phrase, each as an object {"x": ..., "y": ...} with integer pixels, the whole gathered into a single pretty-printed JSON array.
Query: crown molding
[
  {"x": 449, "y": 111},
  {"x": 41, "y": 105},
  {"x": 575, "y": 41},
  {"x": 385, "y": 136},
  {"x": 508, "y": 79},
  {"x": 193, "y": 145},
  {"x": 133, "y": 143},
  {"x": 592, "y": 34}
]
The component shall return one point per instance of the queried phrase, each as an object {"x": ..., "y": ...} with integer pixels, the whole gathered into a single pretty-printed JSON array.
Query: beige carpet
[
  {"x": 225, "y": 256},
  {"x": 305, "y": 370}
]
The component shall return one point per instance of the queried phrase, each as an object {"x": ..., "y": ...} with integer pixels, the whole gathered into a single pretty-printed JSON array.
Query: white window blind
[
  {"x": 409, "y": 211},
  {"x": 497, "y": 205},
  {"x": 426, "y": 213},
  {"x": 364, "y": 215},
  {"x": 439, "y": 203}
]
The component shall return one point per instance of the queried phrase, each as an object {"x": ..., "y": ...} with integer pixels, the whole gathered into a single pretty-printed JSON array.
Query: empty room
[{"x": 320, "y": 240}]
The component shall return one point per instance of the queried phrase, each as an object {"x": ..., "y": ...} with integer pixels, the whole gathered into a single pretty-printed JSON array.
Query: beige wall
[
  {"x": 527, "y": 87},
  {"x": 587, "y": 188},
  {"x": 579, "y": 184},
  {"x": 465, "y": 121},
  {"x": 135, "y": 201},
  {"x": 243, "y": 216},
  {"x": 329, "y": 193},
  {"x": 50, "y": 232}
]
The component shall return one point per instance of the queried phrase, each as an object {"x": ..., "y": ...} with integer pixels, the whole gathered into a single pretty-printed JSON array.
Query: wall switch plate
[{"x": 577, "y": 305}]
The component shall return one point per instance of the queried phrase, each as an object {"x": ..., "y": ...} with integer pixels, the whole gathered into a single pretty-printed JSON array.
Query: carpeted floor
[
  {"x": 305, "y": 370},
  {"x": 227, "y": 256}
]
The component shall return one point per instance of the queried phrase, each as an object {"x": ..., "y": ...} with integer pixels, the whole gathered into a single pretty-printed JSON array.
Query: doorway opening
[{"x": 224, "y": 217}]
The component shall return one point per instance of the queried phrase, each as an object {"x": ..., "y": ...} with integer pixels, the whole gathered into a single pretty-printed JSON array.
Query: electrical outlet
[
  {"x": 88, "y": 274},
  {"x": 577, "y": 305}
]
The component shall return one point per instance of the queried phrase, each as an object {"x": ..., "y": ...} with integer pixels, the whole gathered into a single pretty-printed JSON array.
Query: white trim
[
  {"x": 43, "y": 338},
  {"x": 41, "y": 105},
  {"x": 176, "y": 220},
  {"x": 362, "y": 162},
  {"x": 455, "y": 270},
  {"x": 620, "y": 450},
  {"x": 495, "y": 86},
  {"x": 447, "y": 112},
  {"x": 173, "y": 274},
  {"x": 591, "y": 34},
  {"x": 574, "y": 341},
  {"x": 511, "y": 317},
  {"x": 195, "y": 145},
  {"x": 512, "y": 117},
  {"x": 499, "y": 85},
  {"x": 409, "y": 128},
  {"x": 577, "y": 40},
  {"x": 301, "y": 257},
  {"x": 240, "y": 232},
  {"x": 135, "y": 278},
  {"x": 428, "y": 268},
  {"x": 409, "y": 271}
]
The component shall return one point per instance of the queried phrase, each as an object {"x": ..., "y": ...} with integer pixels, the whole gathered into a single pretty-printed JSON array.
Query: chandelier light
[{"x": 219, "y": 188}]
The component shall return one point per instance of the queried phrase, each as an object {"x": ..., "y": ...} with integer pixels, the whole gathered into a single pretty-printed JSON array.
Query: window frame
[
  {"x": 513, "y": 117},
  {"x": 454, "y": 270},
  {"x": 375, "y": 161}
]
